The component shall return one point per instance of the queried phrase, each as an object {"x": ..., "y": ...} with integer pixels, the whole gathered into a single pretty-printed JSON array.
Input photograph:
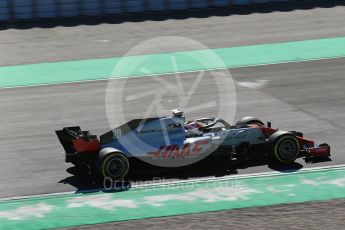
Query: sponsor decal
[{"x": 174, "y": 151}]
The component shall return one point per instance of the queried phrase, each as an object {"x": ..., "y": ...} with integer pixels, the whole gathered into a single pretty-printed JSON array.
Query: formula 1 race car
[{"x": 172, "y": 142}]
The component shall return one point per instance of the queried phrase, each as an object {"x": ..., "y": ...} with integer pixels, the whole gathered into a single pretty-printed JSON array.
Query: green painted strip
[
  {"x": 184, "y": 198},
  {"x": 97, "y": 69}
]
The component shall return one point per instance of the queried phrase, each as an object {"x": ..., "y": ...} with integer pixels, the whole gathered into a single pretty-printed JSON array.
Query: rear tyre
[
  {"x": 113, "y": 165},
  {"x": 283, "y": 147}
]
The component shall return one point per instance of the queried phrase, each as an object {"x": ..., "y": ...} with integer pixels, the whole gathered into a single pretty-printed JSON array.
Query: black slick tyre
[
  {"x": 113, "y": 165},
  {"x": 249, "y": 121},
  {"x": 283, "y": 147}
]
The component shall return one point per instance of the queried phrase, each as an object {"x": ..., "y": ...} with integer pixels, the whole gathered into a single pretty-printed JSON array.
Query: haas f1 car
[{"x": 172, "y": 139}]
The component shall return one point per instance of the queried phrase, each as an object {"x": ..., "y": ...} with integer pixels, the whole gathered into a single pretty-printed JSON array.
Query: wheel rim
[
  {"x": 115, "y": 167},
  {"x": 288, "y": 149}
]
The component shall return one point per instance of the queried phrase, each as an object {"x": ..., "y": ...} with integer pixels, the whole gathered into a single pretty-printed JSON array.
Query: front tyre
[
  {"x": 284, "y": 147},
  {"x": 249, "y": 121},
  {"x": 114, "y": 165}
]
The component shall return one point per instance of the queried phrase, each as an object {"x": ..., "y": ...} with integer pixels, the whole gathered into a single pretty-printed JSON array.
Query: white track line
[{"x": 171, "y": 183}]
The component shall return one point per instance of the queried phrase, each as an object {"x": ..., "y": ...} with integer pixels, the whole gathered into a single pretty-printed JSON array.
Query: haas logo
[{"x": 174, "y": 151}]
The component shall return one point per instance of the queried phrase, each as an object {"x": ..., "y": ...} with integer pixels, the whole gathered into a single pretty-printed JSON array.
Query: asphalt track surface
[
  {"x": 90, "y": 38},
  {"x": 307, "y": 96}
]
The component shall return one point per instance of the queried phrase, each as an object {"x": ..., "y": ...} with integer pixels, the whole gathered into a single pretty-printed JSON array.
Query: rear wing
[{"x": 74, "y": 140}]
